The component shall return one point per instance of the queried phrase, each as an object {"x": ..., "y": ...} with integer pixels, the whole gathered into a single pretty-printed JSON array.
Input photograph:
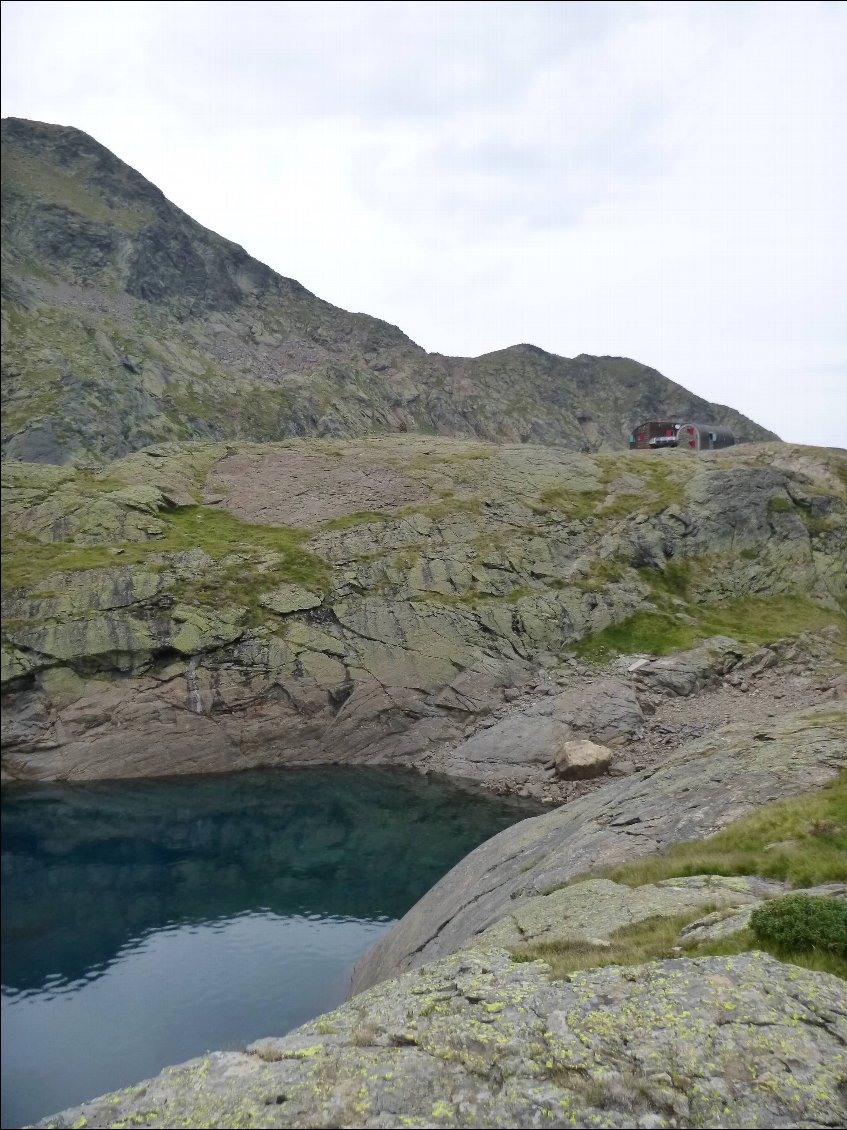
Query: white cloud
[{"x": 664, "y": 181}]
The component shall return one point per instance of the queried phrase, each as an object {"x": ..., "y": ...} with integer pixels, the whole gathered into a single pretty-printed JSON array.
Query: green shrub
[{"x": 802, "y": 922}]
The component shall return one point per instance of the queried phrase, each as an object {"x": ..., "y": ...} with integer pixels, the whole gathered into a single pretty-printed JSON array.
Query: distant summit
[{"x": 126, "y": 323}]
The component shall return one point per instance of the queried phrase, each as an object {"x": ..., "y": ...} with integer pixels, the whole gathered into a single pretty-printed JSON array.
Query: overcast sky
[{"x": 661, "y": 181}]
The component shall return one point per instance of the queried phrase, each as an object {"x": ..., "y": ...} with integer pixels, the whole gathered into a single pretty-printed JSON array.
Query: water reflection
[{"x": 146, "y": 922}]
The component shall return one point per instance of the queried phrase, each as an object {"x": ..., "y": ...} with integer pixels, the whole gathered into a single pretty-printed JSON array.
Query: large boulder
[
  {"x": 516, "y": 746},
  {"x": 578, "y": 760},
  {"x": 606, "y": 711}
]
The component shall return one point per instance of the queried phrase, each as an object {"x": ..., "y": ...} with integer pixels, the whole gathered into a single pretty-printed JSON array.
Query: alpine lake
[{"x": 148, "y": 922}]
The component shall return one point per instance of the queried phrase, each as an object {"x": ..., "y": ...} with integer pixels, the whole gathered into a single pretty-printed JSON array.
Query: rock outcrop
[{"x": 476, "y": 1040}]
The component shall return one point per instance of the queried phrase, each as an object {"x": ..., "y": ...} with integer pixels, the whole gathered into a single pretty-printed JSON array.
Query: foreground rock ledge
[{"x": 476, "y": 1040}]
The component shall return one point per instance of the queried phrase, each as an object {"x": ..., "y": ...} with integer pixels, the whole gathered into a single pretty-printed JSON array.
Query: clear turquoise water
[{"x": 148, "y": 922}]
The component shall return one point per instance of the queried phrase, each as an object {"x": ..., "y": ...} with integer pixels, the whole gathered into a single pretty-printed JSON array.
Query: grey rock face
[
  {"x": 477, "y": 1041},
  {"x": 702, "y": 787},
  {"x": 608, "y": 712},
  {"x": 382, "y": 636},
  {"x": 605, "y": 710},
  {"x": 512, "y": 747},
  {"x": 687, "y": 672}
]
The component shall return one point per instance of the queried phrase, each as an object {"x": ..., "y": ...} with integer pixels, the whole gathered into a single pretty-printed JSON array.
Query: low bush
[{"x": 802, "y": 922}]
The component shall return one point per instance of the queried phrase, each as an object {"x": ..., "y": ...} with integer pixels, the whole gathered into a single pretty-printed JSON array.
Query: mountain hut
[
  {"x": 654, "y": 433},
  {"x": 703, "y": 437}
]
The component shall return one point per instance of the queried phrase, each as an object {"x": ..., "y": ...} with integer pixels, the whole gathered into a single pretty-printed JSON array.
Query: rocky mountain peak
[{"x": 128, "y": 323}]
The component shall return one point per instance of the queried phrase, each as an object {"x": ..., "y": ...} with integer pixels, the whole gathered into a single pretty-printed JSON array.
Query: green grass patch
[
  {"x": 812, "y": 829},
  {"x": 664, "y": 483},
  {"x": 818, "y": 524},
  {"x": 577, "y": 505},
  {"x": 601, "y": 573},
  {"x": 674, "y": 579},
  {"x": 220, "y": 533},
  {"x": 37, "y": 176},
  {"x": 444, "y": 507},
  {"x": 664, "y": 487},
  {"x": 26, "y": 562},
  {"x": 647, "y": 940},
  {"x": 620, "y": 505},
  {"x": 751, "y": 620},
  {"x": 654, "y": 633},
  {"x": 657, "y": 938},
  {"x": 779, "y": 505}
]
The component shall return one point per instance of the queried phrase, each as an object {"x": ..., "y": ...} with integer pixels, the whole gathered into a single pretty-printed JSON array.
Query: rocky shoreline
[{"x": 451, "y": 1026}]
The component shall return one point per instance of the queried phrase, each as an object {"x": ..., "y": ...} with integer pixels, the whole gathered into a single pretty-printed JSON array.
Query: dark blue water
[{"x": 148, "y": 922}]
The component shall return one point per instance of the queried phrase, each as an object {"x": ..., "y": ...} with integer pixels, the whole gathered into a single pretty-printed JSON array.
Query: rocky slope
[
  {"x": 197, "y": 608},
  {"x": 694, "y": 792},
  {"x": 126, "y": 323}
]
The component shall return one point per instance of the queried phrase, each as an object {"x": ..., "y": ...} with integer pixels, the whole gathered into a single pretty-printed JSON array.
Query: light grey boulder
[
  {"x": 606, "y": 711},
  {"x": 580, "y": 759},
  {"x": 517, "y": 746}
]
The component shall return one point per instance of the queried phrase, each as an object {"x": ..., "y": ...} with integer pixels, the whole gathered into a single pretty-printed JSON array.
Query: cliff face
[{"x": 126, "y": 323}]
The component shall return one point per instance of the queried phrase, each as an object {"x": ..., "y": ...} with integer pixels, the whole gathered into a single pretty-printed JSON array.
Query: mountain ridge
[{"x": 127, "y": 323}]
